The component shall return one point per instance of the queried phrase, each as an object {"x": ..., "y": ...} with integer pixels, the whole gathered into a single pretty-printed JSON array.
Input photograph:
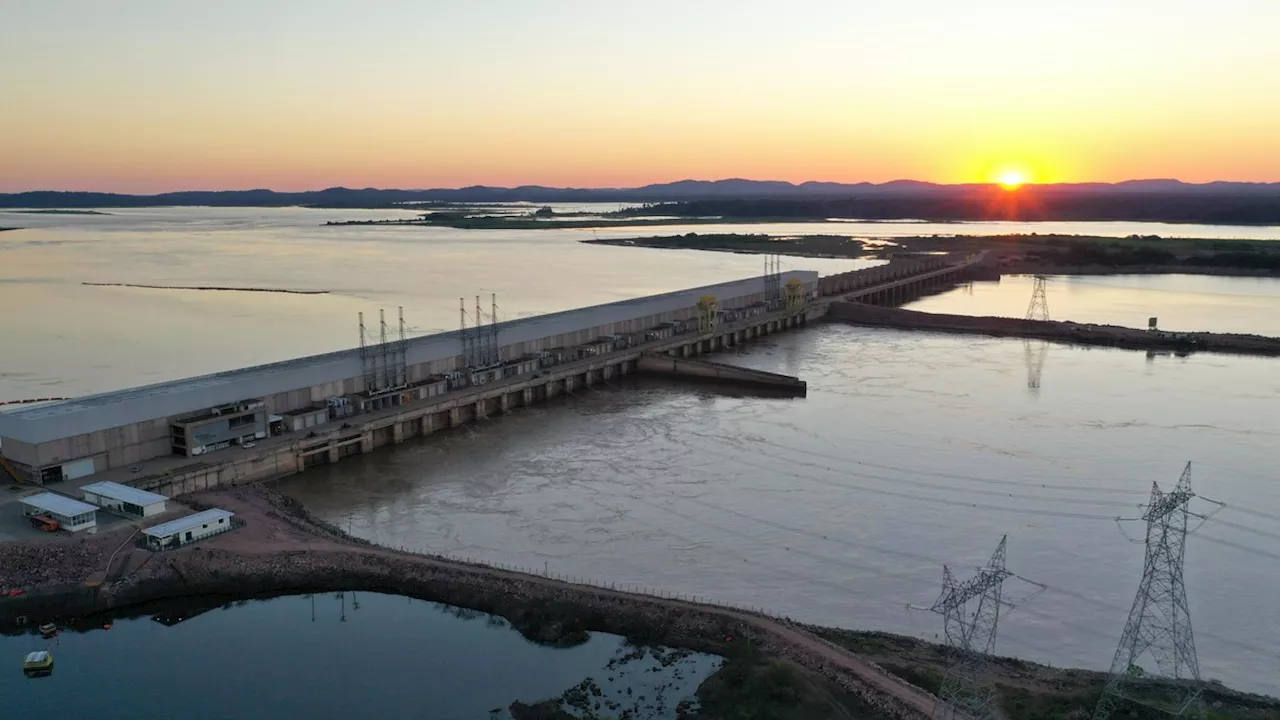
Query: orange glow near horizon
[{"x": 571, "y": 93}]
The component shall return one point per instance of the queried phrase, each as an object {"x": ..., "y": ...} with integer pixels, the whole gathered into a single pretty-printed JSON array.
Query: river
[
  {"x": 910, "y": 450},
  {"x": 348, "y": 655}
]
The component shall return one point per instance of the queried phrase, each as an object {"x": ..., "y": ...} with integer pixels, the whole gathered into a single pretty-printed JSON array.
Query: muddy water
[{"x": 840, "y": 508}]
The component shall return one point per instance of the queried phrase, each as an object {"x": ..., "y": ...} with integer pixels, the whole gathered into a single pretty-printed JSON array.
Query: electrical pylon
[
  {"x": 1039, "y": 307},
  {"x": 965, "y": 692},
  {"x": 1159, "y": 625}
]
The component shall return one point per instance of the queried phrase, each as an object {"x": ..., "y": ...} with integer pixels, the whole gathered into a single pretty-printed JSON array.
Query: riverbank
[
  {"x": 283, "y": 550},
  {"x": 1020, "y": 254},
  {"x": 1055, "y": 331}
]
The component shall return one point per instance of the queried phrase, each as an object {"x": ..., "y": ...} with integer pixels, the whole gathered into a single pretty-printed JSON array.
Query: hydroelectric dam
[{"x": 278, "y": 419}]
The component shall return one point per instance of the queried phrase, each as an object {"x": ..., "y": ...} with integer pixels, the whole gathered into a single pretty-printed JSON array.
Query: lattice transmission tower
[
  {"x": 971, "y": 614},
  {"x": 1159, "y": 625},
  {"x": 773, "y": 281},
  {"x": 1039, "y": 307}
]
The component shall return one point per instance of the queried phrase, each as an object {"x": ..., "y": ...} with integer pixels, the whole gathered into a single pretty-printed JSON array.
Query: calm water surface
[
  {"x": 911, "y": 449},
  {"x": 362, "y": 656},
  {"x": 1180, "y": 302}
]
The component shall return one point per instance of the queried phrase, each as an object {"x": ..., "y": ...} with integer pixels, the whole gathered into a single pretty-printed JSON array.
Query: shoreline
[
  {"x": 1057, "y": 331},
  {"x": 284, "y": 550},
  {"x": 207, "y": 288},
  {"x": 1013, "y": 254}
]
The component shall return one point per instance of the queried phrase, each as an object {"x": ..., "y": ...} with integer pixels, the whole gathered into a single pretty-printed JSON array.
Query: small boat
[
  {"x": 38, "y": 664},
  {"x": 48, "y": 630}
]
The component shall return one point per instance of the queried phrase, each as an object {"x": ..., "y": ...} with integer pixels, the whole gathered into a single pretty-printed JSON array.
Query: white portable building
[
  {"x": 189, "y": 529},
  {"x": 70, "y": 513},
  {"x": 124, "y": 498}
]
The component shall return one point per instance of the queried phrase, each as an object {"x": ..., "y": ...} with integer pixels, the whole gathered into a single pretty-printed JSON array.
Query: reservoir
[
  {"x": 910, "y": 451},
  {"x": 335, "y": 656}
]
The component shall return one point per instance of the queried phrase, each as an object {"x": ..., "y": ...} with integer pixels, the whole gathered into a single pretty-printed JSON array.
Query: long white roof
[
  {"x": 58, "y": 504},
  {"x": 173, "y": 527},
  {"x": 177, "y": 397},
  {"x": 123, "y": 493}
]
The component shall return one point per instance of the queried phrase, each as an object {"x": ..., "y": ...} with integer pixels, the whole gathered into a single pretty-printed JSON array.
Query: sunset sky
[{"x": 156, "y": 95}]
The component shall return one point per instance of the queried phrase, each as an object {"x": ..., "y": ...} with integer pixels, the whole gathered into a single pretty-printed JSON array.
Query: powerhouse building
[{"x": 200, "y": 415}]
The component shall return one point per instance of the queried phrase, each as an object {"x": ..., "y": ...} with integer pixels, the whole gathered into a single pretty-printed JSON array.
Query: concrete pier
[
  {"x": 1054, "y": 331},
  {"x": 707, "y": 371}
]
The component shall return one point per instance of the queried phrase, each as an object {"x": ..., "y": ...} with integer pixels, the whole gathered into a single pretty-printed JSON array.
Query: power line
[
  {"x": 940, "y": 474},
  {"x": 921, "y": 498}
]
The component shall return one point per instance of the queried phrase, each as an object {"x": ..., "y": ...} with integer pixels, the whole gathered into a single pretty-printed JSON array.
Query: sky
[{"x": 158, "y": 95}]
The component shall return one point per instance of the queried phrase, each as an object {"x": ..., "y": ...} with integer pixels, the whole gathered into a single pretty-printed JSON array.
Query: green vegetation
[
  {"x": 60, "y": 212},
  {"x": 753, "y": 686},
  {"x": 806, "y": 245},
  {"x": 1029, "y": 691},
  {"x": 1039, "y": 253}
]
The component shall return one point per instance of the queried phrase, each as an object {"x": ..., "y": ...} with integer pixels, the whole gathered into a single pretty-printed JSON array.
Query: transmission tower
[
  {"x": 385, "y": 380},
  {"x": 400, "y": 372},
  {"x": 1159, "y": 625},
  {"x": 469, "y": 336},
  {"x": 971, "y": 612},
  {"x": 773, "y": 280},
  {"x": 971, "y": 616},
  {"x": 369, "y": 363},
  {"x": 1039, "y": 307}
]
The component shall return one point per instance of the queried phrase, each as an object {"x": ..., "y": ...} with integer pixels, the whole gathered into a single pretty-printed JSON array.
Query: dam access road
[{"x": 281, "y": 549}]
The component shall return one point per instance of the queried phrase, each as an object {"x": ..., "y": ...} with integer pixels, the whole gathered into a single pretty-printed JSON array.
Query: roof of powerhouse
[
  {"x": 189, "y": 522},
  {"x": 123, "y": 493},
  {"x": 103, "y": 411}
]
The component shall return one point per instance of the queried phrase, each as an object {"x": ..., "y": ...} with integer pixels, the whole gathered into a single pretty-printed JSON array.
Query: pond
[{"x": 336, "y": 655}]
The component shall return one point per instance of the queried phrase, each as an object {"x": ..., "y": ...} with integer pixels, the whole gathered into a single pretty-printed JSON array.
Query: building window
[{"x": 241, "y": 421}]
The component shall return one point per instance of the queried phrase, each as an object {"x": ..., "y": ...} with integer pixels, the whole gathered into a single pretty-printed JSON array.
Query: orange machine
[{"x": 44, "y": 523}]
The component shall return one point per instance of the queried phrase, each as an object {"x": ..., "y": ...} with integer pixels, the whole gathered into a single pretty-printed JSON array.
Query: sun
[{"x": 1012, "y": 179}]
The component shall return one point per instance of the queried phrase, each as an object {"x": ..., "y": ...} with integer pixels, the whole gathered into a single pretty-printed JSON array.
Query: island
[
  {"x": 1021, "y": 253},
  {"x": 57, "y": 211}
]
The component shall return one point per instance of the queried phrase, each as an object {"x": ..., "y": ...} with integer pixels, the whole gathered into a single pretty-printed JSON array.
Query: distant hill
[{"x": 1159, "y": 199}]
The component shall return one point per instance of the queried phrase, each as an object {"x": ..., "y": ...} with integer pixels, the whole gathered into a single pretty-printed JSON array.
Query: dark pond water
[{"x": 356, "y": 655}]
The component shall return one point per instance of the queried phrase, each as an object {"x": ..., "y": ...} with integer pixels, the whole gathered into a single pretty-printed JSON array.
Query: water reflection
[
  {"x": 1187, "y": 303},
  {"x": 315, "y": 656},
  {"x": 1035, "y": 352}
]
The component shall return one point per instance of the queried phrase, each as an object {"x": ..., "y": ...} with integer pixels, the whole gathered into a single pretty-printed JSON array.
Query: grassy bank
[
  {"x": 1065, "y": 254},
  {"x": 1030, "y": 691}
]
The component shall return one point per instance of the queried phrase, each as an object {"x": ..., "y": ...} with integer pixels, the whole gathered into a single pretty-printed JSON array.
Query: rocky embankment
[
  {"x": 282, "y": 549},
  {"x": 1055, "y": 331}
]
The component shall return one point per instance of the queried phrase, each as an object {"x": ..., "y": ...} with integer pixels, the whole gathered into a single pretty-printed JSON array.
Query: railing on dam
[{"x": 896, "y": 271}]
